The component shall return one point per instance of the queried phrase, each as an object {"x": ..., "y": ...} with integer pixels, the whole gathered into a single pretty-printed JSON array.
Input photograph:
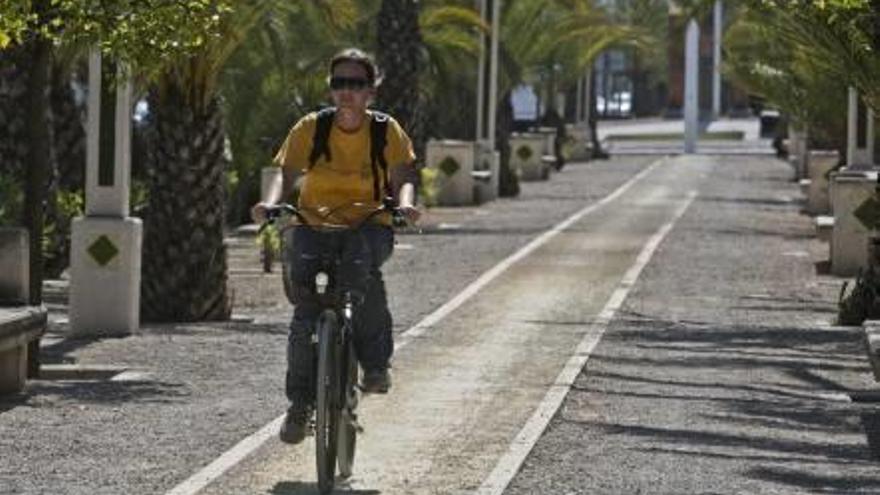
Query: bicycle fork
[{"x": 350, "y": 391}]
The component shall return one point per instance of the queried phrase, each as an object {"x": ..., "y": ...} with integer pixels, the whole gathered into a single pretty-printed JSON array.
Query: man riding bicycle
[{"x": 351, "y": 159}]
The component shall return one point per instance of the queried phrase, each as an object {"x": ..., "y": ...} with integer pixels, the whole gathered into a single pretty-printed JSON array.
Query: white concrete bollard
[
  {"x": 526, "y": 152},
  {"x": 580, "y": 144},
  {"x": 453, "y": 162},
  {"x": 859, "y": 133},
  {"x": 486, "y": 172},
  {"x": 849, "y": 238},
  {"x": 105, "y": 251},
  {"x": 819, "y": 165},
  {"x": 105, "y": 276}
]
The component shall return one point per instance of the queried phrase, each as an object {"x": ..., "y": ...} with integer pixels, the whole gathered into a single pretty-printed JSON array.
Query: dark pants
[{"x": 362, "y": 253}]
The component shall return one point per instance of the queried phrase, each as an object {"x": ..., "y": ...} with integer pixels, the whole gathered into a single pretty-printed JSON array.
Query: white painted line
[
  {"x": 226, "y": 461},
  {"x": 525, "y": 440},
  {"x": 448, "y": 226},
  {"x": 423, "y": 326},
  {"x": 245, "y": 447}
]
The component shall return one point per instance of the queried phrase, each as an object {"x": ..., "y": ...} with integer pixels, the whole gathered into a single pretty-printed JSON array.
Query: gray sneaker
[
  {"x": 296, "y": 424},
  {"x": 376, "y": 381}
]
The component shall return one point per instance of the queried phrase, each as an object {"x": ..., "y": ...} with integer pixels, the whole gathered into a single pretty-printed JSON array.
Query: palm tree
[
  {"x": 184, "y": 271},
  {"x": 65, "y": 196},
  {"x": 400, "y": 54},
  {"x": 13, "y": 121},
  {"x": 843, "y": 37},
  {"x": 767, "y": 63},
  {"x": 448, "y": 76}
]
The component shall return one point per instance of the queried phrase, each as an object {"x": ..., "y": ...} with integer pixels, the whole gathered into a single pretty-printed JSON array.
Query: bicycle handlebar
[{"x": 398, "y": 219}]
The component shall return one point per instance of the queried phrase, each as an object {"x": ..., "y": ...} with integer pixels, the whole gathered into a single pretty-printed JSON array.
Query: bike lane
[{"x": 468, "y": 383}]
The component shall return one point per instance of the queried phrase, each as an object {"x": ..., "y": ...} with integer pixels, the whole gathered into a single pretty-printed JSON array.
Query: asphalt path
[
  {"x": 466, "y": 386},
  {"x": 694, "y": 331}
]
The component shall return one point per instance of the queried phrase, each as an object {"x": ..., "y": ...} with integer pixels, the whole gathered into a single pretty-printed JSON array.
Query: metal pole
[
  {"x": 493, "y": 68},
  {"x": 691, "y": 86},
  {"x": 718, "y": 21},
  {"x": 481, "y": 76},
  {"x": 588, "y": 93}
]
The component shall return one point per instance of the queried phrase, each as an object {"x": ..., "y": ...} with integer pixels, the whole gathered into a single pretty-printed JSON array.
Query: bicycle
[{"x": 336, "y": 425}]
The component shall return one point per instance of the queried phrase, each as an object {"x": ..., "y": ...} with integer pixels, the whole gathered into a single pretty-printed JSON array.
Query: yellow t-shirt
[{"x": 340, "y": 192}]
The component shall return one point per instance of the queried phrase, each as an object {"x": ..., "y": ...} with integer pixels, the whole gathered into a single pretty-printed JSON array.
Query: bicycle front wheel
[{"x": 329, "y": 394}]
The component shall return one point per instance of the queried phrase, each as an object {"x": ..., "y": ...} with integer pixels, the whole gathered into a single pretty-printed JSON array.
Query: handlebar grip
[
  {"x": 398, "y": 219},
  {"x": 274, "y": 212}
]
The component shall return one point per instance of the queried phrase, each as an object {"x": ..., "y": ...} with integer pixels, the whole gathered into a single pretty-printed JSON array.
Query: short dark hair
[{"x": 359, "y": 57}]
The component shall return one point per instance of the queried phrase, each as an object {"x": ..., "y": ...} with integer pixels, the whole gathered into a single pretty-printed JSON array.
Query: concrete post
[
  {"x": 819, "y": 166},
  {"x": 717, "y": 31},
  {"x": 106, "y": 243},
  {"x": 691, "y": 87},
  {"x": 850, "y": 238},
  {"x": 859, "y": 134}
]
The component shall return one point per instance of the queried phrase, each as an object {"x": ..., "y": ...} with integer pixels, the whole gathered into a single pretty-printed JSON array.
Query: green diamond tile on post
[
  {"x": 449, "y": 166},
  {"x": 868, "y": 213},
  {"x": 103, "y": 250}
]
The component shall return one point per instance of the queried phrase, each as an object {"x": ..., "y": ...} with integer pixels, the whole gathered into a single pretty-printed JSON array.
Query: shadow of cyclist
[{"x": 302, "y": 488}]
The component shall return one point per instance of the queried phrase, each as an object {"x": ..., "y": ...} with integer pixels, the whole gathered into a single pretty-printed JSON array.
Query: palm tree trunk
[
  {"x": 184, "y": 259},
  {"x": 67, "y": 170},
  {"x": 399, "y": 55},
  {"x": 39, "y": 162},
  {"x": 508, "y": 182},
  {"x": 69, "y": 133},
  {"x": 14, "y": 149}
]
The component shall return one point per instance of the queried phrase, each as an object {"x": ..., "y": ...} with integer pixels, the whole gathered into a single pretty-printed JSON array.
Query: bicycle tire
[
  {"x": 329, "y": 392},
  {"x": 347, "y": 431}
]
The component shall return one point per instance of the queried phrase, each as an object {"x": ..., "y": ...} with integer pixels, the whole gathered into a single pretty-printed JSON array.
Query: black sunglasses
[{"x": 355, "y": 83}]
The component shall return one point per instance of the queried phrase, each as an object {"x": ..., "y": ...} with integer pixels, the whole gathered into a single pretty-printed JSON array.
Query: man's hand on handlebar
[
  {"x": 258, "y": 212},
  {"x": 411, "y": 213}
]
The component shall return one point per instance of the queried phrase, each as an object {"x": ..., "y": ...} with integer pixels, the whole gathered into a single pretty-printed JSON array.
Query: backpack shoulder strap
[
  {"x": 321, "y": 138},
  {"x": 378, "y": 140}
]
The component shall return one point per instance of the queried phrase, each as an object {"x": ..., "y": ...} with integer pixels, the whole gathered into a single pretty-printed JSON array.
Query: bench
[
  {"x": 481, "y": 175},
  {"x": 21, "y": 325},
  {"x": 804, "y": 185},
  {"x": 824, "y": 227},
  {"x": 872, "y": 345}
]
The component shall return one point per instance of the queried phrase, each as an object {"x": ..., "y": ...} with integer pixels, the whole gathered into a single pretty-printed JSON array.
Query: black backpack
[{"x": 378, "y": 130}]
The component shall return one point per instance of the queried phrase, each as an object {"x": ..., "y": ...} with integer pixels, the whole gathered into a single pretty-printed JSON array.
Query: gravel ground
[
  {"x": 209, "y": 385},
  {"x": 722, "y": 373}
]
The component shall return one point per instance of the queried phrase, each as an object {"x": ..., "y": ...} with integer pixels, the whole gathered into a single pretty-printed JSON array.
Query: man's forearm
[
  {"x": 404, "y": 180},
  {"x": 281, "y": 187},
  {"x": 407, "y": 195}
]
